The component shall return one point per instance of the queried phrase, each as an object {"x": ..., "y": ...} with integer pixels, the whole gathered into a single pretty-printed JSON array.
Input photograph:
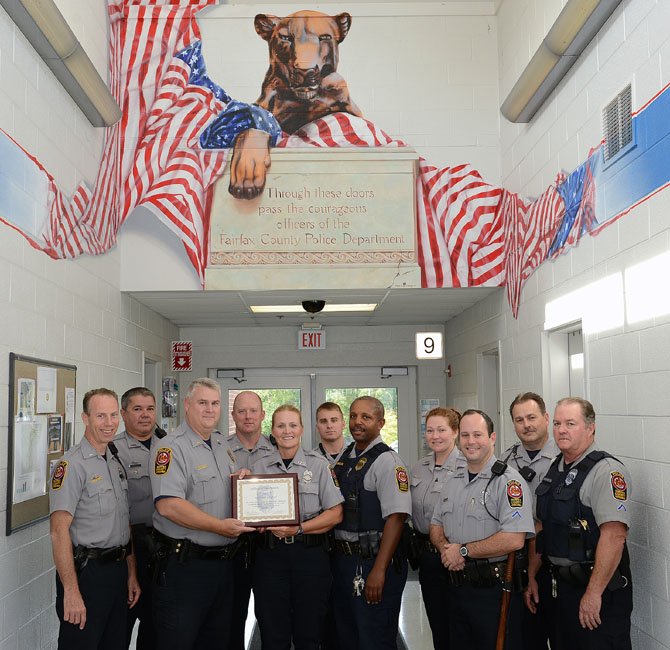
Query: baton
[{"x": 504, "y": 602}]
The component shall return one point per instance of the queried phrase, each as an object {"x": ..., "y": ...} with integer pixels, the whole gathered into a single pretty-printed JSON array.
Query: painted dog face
[{"x": 303, "y": 50}]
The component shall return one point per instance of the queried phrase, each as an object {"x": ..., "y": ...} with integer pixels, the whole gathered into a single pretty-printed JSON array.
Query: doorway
[{"x": 306, "y": 388}]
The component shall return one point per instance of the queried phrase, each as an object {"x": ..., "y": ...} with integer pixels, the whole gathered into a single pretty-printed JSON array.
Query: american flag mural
[{"x": 470, "y": 233}]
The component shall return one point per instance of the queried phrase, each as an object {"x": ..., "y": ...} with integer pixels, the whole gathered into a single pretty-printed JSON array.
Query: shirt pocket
[
  {"x": 102, "y": 497},
  {"x": 480, "y": 524},
  {"x": 205, "y": 488},
  {"x": 310, "y": 503}
]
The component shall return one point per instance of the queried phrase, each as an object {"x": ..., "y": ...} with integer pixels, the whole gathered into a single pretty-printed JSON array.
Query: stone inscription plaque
[{"x": 333, "y": 207}]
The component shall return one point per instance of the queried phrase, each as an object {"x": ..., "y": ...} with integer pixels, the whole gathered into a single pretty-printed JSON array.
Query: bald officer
[
  {"x": 90, "y": 534},
  {"x": 190, "y": 481},
  {"x": 484, "y": 513},
  {"x": 248, "y": 446},
  {"x": 584, "y": 506},
  {"x": 369, "y": 569},
  {"x": 138, "y": 411},
  {"x": 532, "y": 455}
]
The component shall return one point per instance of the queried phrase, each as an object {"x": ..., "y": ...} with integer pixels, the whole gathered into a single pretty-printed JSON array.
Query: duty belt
[
  {"x": 185, "y": 548},
  {"x": 578, "y": 575},
  {"x": 423, "y": 542},
  {"x": 270, "y": 541},
  {"x": 113, "y": 554},
  {"x": 479, "y": 573}
]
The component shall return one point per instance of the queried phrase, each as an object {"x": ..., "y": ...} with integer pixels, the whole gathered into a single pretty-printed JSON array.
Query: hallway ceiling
[{"x": 231, "y": 308}]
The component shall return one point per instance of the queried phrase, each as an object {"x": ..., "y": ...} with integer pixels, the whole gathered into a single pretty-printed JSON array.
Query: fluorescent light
[
  {"x": 297, "y": 309},
  {"x": 644, "y": 300},
  {"x": 48, "y": 32},
  {"x": 573, "y": 30}
]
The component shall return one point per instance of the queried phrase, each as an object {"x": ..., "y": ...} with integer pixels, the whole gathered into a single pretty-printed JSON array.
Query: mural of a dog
[{"x": 302, "y": 84}]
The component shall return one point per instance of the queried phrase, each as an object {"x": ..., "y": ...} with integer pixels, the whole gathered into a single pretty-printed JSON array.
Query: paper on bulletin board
[
  {"x": 26, "y": 405},
  {"x": 55, "y": 433},
  {"x": 46, "y": 389},
  {"x": 30, "y": 448}
]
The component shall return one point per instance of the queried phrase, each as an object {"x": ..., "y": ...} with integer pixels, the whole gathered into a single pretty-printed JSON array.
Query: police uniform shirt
[
  {"x": 94, "y": 491},
  {"x": 517, "y": 456},
  {"x": 246, "y": 458},
  {"x": 184, "y": 466},
  {"x": 320, "y": 449},
  {"x": 606, "y": 489},
  {"x": 135, "y": 458},
  {"x": 316, "y": 489},
  {"x": 388, "y": 478},
  {"x": 426, "y": 486},
  {"x": 462, "y": 512}
]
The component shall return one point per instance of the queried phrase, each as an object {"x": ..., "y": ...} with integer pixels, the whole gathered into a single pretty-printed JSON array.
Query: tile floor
[{"x": 413, "y": 622}]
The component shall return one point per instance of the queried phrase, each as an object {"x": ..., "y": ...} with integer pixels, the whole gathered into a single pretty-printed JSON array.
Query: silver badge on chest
[
  {"x": 571, "y": 476},
  {"x": 307, "y": 476}
]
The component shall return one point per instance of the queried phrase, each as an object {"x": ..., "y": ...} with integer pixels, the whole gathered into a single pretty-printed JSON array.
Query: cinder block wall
[
  {"x": 70, "y": 312},
  {"x": 627, "y": 363}
]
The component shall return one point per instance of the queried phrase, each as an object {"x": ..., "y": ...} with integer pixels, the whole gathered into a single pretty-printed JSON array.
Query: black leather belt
[
  {"x": 268, "y": 540},
  {"x": 113, "y": 554},
  {"x": 185, "y": 548},
  {"x": 479, "y": 573}
]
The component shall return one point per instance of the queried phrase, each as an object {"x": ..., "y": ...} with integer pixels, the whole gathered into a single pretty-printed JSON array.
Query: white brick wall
[
  {"x": 65, "y": 311},
  {"x": 627, "y": 364}
]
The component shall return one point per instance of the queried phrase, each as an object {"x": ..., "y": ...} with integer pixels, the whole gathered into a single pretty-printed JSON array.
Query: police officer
[
  {"x": 195, "y": 533},
  {"x": 583, "y": 504},
  {"x": 330, "y": 427},
  {"x": 291, "y": 571},
  {"x": 532, "y": 455},
  {"x": 428, "y": 475},
  {"x": 138, "y": 410},
  {"x": 248, "y": 446},
  {"x": 370, "y": 570},
  {"x": 90, "y": 534},
  {"x": 484, "y": 514}
]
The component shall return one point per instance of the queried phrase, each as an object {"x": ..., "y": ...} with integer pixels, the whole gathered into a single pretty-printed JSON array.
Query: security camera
[{"x": 313, "y": 306}]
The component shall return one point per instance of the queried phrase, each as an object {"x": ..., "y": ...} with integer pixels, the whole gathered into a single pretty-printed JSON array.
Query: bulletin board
[{"x": 41, "y": 411}]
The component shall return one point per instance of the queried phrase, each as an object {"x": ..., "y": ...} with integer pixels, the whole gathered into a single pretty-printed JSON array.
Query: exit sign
[{"x": 311, "y": 340}]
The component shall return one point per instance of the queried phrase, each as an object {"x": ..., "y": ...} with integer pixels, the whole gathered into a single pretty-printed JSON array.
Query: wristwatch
[{"x": 464, "y": 551}]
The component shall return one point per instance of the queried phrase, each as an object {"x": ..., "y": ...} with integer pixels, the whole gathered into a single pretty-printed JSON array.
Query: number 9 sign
[{"x": 429, "y": 345}]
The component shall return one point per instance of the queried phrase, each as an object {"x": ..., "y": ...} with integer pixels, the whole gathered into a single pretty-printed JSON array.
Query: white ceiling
[{"x": 231, "y": 308}]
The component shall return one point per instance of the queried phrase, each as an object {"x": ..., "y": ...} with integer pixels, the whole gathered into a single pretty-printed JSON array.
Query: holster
[
  {"x": 520, "y": 575},
  {"x": 412, "y": 543}
]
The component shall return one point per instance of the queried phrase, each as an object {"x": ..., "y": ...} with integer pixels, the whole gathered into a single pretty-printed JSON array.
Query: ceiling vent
[{"x": 618, "y": 124}]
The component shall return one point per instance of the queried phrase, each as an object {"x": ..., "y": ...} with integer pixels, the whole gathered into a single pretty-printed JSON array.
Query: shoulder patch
[
  {"x": 514, "y": 494},
  {"x": 619, "y": 487},
  {"x": 401, "y": 478},
  {"x": 163, "y": 459},
  {"x": 58, "y": 476}
]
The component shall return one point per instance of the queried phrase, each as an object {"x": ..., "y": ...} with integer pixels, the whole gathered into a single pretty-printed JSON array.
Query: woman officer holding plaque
[{"x": 291, "y": 572}]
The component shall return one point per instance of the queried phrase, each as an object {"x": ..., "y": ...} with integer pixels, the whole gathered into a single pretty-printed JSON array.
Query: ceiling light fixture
[
  {"x": 330, "y": 307},
  {"x": 48, "y": 32},
  {"x": 573, "y": 30}
]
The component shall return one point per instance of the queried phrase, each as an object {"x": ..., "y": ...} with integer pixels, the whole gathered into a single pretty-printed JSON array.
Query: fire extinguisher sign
[{"x": 182, "y": 356}]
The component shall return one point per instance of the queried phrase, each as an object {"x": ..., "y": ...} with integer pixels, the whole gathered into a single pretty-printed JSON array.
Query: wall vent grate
[{"x": 618, "y": 123}]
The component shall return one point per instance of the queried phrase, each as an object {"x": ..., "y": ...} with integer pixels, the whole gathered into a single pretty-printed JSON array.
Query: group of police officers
[{"x": 142, "y": 528}]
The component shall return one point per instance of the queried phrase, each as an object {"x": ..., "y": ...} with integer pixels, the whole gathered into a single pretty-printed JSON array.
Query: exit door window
[
  {"x": 343, "y": 397},
  {"x": 272, "y": 398}
]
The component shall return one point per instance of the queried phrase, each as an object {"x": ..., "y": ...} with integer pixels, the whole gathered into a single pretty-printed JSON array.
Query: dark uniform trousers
[
  {"x": 146, "y": 635},
  {"x": 192, "y": 603},
  {"x": 377, "y": 625},
  {"x": 241, "y": 595},
  {"x": 433, "y": 581},
  {"x": 537, "y": 628},
  {"x": 291, "y": 589},
  {"x": 474, "y": 613},
  {"x": 614, "y": 631},
  {"x": 104, "y": 588}
]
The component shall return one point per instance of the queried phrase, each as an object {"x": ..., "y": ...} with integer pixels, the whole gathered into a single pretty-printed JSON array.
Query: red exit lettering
[{"x": 312, "y": 340}]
